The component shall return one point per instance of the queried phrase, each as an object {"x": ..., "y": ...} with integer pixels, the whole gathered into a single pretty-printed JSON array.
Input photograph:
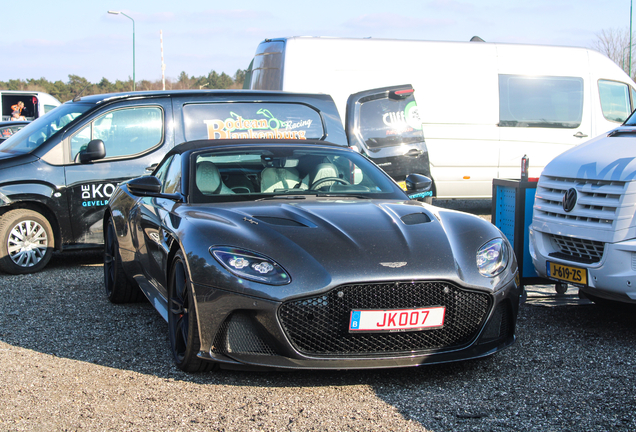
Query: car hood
[
  {"x": 602, "y": 158},
  {"x": 10, "y": 160},
  {"x": 329, "y": 242}
]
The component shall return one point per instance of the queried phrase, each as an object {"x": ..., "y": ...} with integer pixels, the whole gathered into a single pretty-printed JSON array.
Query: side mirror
[
  {"x": 144, "y": 185},
  {"x": 150, "y": 186},
  {"x": 418, "y": 186},
  {"x": 94, "y": 150}
]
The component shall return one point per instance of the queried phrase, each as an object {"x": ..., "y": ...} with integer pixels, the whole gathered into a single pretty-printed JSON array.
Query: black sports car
[{"x": 303, "y": 254}]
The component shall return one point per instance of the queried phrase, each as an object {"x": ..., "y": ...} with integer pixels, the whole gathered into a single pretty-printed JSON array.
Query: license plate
[
  {"x": 575, "y": 275},
  {"x": 402, "y": 184},
  {"x": 397, "y": 320}
]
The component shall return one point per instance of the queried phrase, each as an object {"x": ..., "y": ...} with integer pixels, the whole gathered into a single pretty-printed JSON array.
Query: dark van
[{"x": 57, "y": 174}]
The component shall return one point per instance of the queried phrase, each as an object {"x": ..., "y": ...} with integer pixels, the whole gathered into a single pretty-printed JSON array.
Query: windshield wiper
[
  {"x": 287, "y": 197},
  {"x": 340, "y": 195}
]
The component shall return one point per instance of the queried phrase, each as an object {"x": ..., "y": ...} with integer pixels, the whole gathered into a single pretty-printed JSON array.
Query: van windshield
[{"x": 40, "y": 130}]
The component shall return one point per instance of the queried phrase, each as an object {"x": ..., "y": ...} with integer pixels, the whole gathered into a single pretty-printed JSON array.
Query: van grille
[
  {"x": 597, "y": 204},
  {"x": 577, "y": 250}
]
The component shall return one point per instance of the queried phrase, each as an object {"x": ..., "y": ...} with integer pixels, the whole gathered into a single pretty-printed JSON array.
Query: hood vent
[
  {"x": 415, "y": 218},
  {"x": 280, "y": 221}
]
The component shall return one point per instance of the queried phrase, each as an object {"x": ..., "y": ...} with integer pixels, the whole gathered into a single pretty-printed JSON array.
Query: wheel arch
[
  {"x": 42, "y": 209},
  {"x": 175, "y": 247}
]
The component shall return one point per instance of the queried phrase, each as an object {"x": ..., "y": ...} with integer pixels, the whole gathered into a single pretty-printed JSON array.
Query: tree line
[{"x": 64, "y": 91}]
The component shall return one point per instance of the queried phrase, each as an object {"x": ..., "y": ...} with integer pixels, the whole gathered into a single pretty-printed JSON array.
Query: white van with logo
[
  {"x": 36, "y": 104},
  {"x": 583, "y": 229},
  {"x": 483, "y": 105}
]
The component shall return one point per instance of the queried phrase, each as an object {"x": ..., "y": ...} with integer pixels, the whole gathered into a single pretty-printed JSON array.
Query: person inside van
[{"x": 16, "y": 111}]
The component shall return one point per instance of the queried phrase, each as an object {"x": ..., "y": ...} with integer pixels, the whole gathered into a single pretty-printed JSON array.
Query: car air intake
[
  {"x": 319, "y": 325},
  {"x": 415, "y": 218},
  {"x": 239, "y": 334},
  {"x": 280, "y": 221}
]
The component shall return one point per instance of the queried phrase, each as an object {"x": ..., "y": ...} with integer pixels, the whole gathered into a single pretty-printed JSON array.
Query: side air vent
[{"x": 416, "y": 218}]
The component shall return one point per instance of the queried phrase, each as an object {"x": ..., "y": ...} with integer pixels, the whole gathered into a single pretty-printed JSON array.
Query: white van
[
  {"x": 583, "y": 229},
  {"x": 483, "y": 105},
  {"x": 36, "y": 104}
]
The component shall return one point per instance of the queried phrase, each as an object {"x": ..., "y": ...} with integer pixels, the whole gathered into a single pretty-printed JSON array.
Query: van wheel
[{"x": 26, "y": 242}]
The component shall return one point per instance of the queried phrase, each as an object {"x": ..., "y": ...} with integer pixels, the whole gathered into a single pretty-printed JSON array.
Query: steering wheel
[{"x": 328, "y": 179}]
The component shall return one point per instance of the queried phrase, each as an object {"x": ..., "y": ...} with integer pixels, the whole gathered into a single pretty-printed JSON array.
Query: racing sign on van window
[
  {"x": 251, "y": 121},
  {"x": 386, "y": 122}
]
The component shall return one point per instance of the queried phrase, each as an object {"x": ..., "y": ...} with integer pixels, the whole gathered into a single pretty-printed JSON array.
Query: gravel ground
[{"x": 70, "y": 360}]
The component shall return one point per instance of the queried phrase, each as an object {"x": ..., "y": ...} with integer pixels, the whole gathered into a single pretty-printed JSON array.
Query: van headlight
[
  {"x": 492, "y": 257},
  {"x": 250, "y": 265}
]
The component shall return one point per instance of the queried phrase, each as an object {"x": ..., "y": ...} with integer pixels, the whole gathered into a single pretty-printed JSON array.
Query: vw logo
[{"x": 569, "y": 200}]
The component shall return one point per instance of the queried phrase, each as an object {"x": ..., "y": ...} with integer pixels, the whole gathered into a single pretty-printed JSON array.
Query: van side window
[
  {"x": 547, "y": 102},
  {"x": 125, "y": 132},
  {"x": 80, "y": 139},
  {"x": 267, "y": 67},
  {"x": 614, "y": 100}
]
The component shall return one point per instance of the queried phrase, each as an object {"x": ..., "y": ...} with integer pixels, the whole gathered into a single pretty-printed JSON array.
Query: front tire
[
  {"x": 26, "y": 241},
  {"x": 119, "y": 289},
  {"x": 183, "y": 329}
]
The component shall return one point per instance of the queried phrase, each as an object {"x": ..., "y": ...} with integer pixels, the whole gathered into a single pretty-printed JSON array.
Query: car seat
[
  {"x": 279, "y": 174},
  {"x": 208, "y": 180}
]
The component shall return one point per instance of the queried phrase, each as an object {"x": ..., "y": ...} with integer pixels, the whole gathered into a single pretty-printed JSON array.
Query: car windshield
[
  {"x": 40, "y": 130},
  {"x": 284, "y": 171}
]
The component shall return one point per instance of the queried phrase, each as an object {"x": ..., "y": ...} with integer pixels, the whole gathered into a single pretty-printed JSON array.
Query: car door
[
  {"x": 153, "y": 221},
  {"x": 136, "y": 135},
  {"x": 384, "y": 124}
]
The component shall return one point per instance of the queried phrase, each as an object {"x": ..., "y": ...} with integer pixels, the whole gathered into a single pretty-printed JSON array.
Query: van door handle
[
  {"x": 579, "y": 134},
  {"x": 413, "y": 153}
]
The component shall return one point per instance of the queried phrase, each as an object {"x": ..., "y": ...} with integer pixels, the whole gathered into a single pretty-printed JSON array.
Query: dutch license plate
[
  {"x": 575, "y": 275},
  {"x": 402, "y": 184},
  {"x": 397, "y": 320}
]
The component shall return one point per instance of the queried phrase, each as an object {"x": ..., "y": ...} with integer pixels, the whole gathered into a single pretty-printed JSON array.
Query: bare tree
[{"x": 614, "y": 43}]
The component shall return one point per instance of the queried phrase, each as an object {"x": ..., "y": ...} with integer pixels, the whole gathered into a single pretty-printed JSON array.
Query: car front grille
[
  {"x": 577, "y": 250},
  {"x": 320, "y": 325}
]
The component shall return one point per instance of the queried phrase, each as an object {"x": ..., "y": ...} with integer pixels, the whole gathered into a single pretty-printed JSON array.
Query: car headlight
[
  {"x": 492, "y": 258},
  {"x": 251, "y": 266}
]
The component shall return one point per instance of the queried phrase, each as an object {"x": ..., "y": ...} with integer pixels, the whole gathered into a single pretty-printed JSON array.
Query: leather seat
[
  {"x": 278, "y": 175},
  {"x": 208, "y": 179},
  {"x": 321, "y": 171}
]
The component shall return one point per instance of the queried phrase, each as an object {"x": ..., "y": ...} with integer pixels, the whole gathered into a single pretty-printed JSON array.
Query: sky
[{"x": 55, "y": 39}]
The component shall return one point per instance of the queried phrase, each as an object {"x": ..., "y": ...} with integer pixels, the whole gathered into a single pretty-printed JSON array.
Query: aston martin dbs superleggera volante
[{"x": 302, "y": 254}]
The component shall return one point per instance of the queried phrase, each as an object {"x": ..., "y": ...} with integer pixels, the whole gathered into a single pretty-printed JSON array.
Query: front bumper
[
  {"x": 241, "y": 330},
  {"x": 612, "y": 278}
]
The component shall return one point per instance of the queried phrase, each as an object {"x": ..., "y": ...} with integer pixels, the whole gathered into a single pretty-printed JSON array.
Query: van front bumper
[{"x": 612, "y": 278}]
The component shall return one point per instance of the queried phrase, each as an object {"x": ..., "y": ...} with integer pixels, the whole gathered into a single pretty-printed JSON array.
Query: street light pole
[
  {"x": 630, "y": 37},
  {"x": 133, "y": 21}
]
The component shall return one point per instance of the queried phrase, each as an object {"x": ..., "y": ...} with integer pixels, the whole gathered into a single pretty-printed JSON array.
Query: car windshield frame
[
  {"x": 33, "y": 135},
  {"x": 248, "y": 163}
]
